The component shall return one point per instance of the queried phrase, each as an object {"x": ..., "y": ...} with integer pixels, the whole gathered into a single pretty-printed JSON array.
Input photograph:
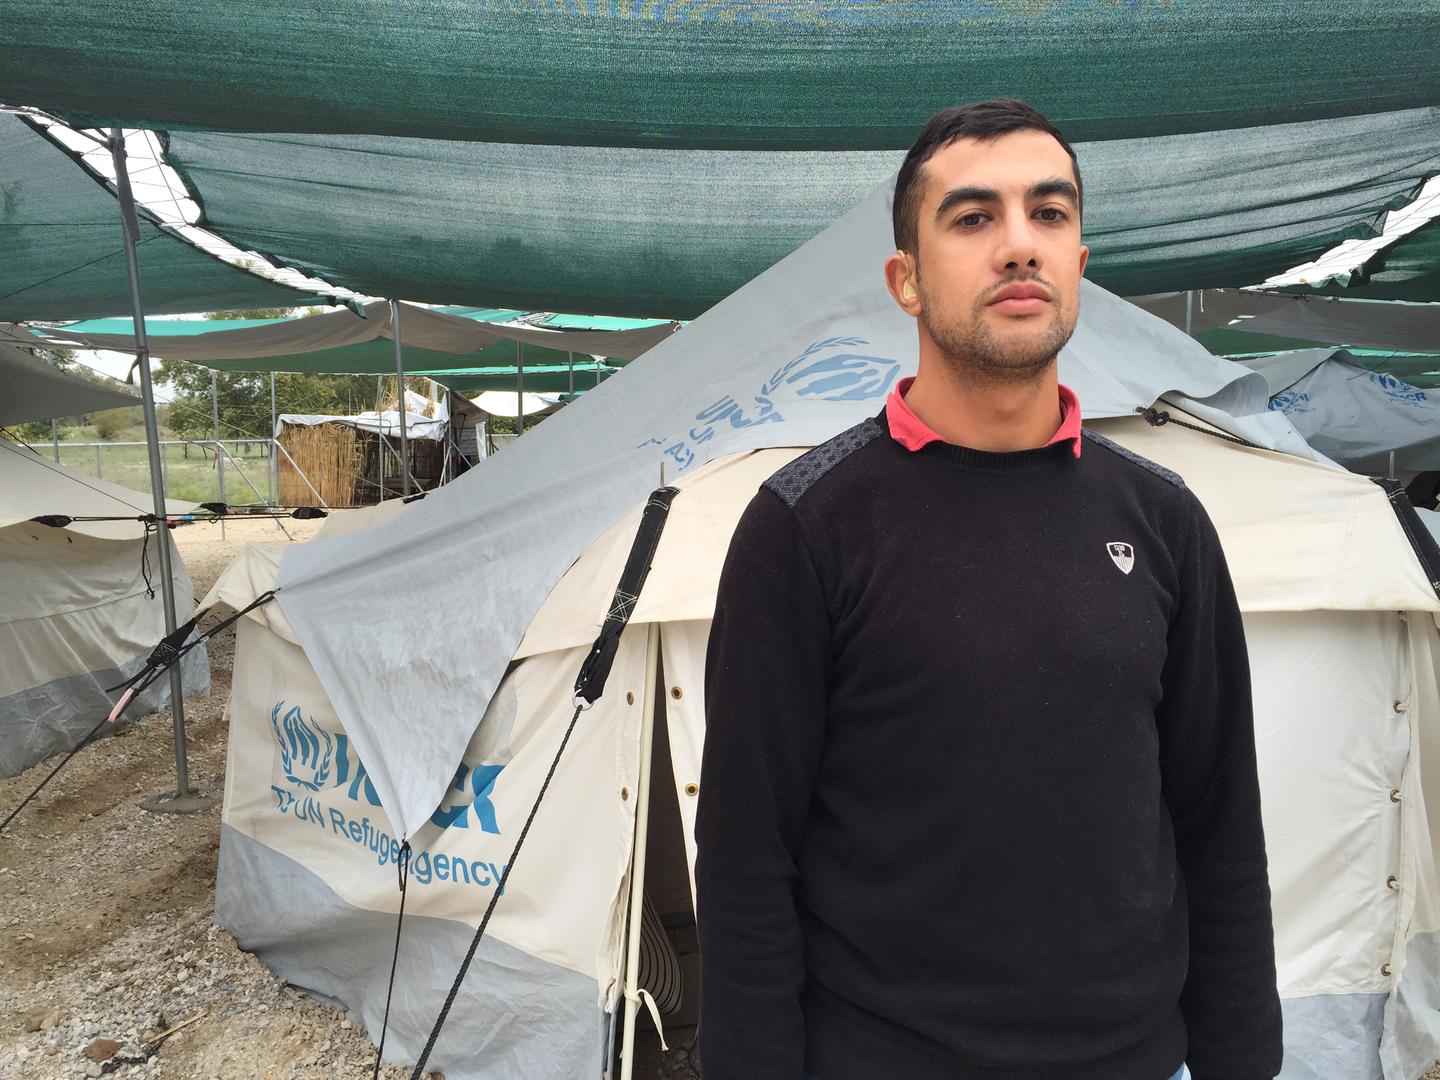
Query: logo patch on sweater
[{"x": 1122, "y": 554}]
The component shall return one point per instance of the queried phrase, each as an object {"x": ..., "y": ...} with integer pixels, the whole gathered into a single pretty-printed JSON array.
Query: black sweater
[{"x": 979, "y": 795}]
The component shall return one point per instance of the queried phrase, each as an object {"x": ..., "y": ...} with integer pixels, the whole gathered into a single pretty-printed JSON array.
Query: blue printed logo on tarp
[
  {"x": 305, "y": 748},
  {"x": 1291, "y": 401},
  {"x": 828, "y": 370},
  {"x": 1398, "y": 391}
]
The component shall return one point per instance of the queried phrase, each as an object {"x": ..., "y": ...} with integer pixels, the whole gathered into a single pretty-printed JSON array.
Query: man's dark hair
[{"x": 982, "y": 120}]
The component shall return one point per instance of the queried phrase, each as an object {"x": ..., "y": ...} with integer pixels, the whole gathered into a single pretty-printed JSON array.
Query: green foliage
[{"x": 111, "y": 423}]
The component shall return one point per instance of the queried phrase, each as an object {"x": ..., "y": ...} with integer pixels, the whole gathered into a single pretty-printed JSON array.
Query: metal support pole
[
  {"x": 219, "y": 455},
  {"x": 1189, "y": 310},
  {"x": 97, "y": 462},
  {"x": 597, "y": 371},
  {"x": 130, "y": 228},
  {"x": 637, "y": 861},
  {"x": 274, "y": 463},
  {"x": 571, "y": 357},
  {"x": 519, "y": 390},
  {"x": 55, "y": 439},
  {"x": 400, "y": 396}
]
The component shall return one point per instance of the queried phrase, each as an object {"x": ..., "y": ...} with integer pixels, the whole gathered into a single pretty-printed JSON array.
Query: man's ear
[
  {"x": 1084, "y": 259},
  {"x": 900, "y": 280}
]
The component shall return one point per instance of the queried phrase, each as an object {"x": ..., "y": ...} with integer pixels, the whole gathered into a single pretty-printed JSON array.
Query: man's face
[{"x": 998, "y": 271}]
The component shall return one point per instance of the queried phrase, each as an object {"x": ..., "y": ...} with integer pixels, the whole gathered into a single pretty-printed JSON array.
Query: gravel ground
[{"x": 109, "y": 963}]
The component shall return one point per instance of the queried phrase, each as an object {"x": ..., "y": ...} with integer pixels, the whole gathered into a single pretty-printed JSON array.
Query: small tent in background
[
  {"x": 356, "y": 726},
  {"x": 344, "y": 461},
  {"x": 1353, "y": 415},
  {"x": 80, "y": 614}
]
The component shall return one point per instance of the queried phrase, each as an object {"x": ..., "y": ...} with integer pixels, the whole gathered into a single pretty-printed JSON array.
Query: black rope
[
  {"x": 589, "y": 685},
  {"x": 403, "y": 870},
  {"x": 170, "y": 651},
  {"x": 145, "y": 560},
  {"x": 1159, "y": 418}
]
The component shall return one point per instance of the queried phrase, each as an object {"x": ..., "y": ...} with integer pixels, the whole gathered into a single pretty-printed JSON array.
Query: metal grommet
[
  {"x": 629, "y": 698},
  {"x": 1392, "y": 882},
  {"x": 1400, "y": 706},
  {"x": 676, "y": 693},
  {"x": 1394, "y": 794},
  {"x": 692, "y": 789},
  {"x": 624, "y": 793},
  {"x": 1385, "y": 969}
]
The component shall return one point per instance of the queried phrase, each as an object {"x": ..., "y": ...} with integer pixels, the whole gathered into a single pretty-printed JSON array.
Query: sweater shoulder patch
[
  {"x": 1130, "y": 455},
  {"x": 795, "y": 479}
]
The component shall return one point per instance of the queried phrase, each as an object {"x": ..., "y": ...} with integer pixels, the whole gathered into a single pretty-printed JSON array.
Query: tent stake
[
  {"x": 184, "y": 799},
  {"x": 637, "y": 863},
  {"x": 400, "y": 396}
]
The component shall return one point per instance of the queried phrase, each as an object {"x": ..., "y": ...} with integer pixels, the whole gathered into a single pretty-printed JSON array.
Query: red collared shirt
[{"x": 913, "y": 433}]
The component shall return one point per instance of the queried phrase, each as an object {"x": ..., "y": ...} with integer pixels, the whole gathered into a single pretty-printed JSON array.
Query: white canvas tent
[
  {"x": 357, "y": 726},
  {"x": 1344, "y": 649},
  {"x": 78, "y": 616}
]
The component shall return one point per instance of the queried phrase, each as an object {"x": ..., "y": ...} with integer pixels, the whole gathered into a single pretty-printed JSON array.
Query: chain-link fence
[{"x": 237, "y": 471}]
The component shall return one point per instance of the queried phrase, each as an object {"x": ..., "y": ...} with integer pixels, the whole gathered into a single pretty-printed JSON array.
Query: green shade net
[
  {"x": 668, "y": 233},
  {"x": 1408, "y": 269},
  {"x": 62, "y": 253},
  {"x": 761, "y": 74}
]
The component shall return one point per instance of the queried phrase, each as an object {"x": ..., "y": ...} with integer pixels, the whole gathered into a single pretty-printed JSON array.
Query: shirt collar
[{"x": 914, "y": 434}]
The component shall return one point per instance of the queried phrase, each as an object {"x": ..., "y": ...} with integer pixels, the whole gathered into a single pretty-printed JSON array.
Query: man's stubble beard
[{"x": 972, "y": 351}]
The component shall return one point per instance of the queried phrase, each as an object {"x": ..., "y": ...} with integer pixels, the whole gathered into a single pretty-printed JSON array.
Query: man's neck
[{"x": 986, "y": 414}]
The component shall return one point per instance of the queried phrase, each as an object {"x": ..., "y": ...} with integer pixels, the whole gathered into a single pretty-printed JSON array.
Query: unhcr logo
[
  {"x": 313, "y": 762},
  {"x": 305, "y": 748},
  {"x": 830, "y": 369}
]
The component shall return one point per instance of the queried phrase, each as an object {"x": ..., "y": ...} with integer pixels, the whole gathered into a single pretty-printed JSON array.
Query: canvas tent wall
[
  {"x": 1340, "y": 618},
  {"x": 78, "y": 615}
]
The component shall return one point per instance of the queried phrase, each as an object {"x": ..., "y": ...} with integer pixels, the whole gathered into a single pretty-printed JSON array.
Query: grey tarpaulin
[
  {"x": 1208, "y": 308},
  {"x": 1372, "y": 324},
  {"x": 805, "y": 350},
  {"x": 421, "y": 328},
  {"x": 1352, "y": 415},
  {"x": 35, "y": 390}
]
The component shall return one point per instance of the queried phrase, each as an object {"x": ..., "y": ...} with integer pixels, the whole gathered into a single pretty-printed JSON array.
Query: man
[{"x": 979, "y": 795}]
